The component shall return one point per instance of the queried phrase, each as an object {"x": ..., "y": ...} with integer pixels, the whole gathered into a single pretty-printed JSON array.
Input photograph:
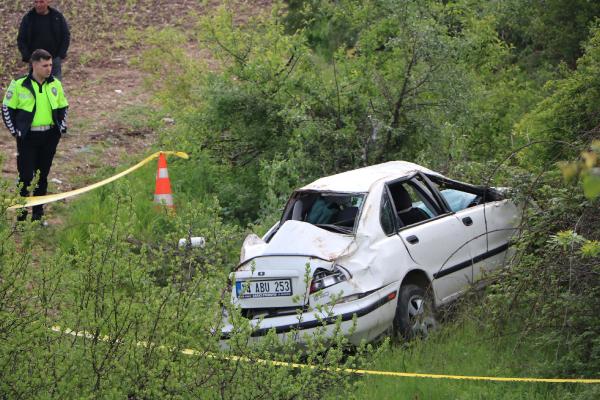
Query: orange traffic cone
[{"x": 162, "y": 194}]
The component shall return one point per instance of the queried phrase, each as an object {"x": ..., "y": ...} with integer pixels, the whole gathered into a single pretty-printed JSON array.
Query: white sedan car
[{"x": 383, "y": 246}]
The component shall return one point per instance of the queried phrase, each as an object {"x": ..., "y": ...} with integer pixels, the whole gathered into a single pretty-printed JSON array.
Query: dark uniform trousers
[{"x": 34, "y": 154}]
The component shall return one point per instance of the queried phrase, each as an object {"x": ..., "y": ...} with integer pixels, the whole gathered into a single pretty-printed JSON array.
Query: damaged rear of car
[{"x": 292, "y": 279}]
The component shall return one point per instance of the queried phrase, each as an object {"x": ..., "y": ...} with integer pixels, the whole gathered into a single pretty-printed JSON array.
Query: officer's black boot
[
  {"x": 22, "y": 215},
  {"x": 37, "y": 213}
]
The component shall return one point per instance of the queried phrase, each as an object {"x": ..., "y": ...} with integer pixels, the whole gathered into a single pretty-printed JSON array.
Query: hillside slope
[{"x": 108, "y": 100}]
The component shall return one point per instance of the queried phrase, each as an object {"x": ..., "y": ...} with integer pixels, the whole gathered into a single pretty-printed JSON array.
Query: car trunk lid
[
  {"x": 297, "y": 237},
  {"x": 277, "y": 274}
]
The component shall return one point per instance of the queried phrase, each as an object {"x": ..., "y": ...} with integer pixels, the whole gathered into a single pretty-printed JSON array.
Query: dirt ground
[{"x": 99, "y": 79}]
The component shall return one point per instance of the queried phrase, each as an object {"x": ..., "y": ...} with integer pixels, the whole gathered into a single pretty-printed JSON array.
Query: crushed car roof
[{"x": 361, "y": 180}]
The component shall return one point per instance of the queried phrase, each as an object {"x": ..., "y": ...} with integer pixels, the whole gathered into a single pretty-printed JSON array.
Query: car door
[
  {"x": 467, "y": 205},
  {"x": 502, "y": 218},
  {"x": 436, "y": 239}
]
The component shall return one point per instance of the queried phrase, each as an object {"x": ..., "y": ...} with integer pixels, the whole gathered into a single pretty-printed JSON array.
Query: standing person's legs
[
  {"x": 43, "y": 162},
  {"x": 57, "y": 67},
  {"x": 26, "y": 156}
]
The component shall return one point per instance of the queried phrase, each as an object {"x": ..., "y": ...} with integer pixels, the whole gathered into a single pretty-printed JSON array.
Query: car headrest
[{"x": 402, "y": 200}]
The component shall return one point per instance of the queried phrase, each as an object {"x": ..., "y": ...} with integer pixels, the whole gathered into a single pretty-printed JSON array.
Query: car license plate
[{"x": 270, "y": 288}]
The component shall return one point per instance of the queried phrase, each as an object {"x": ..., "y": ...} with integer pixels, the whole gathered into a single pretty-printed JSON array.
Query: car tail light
[{"x": 323, "y": 278}]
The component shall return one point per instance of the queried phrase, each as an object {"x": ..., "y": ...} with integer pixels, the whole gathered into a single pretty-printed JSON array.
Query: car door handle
[
  {"x": 467, "y": 221},
  {"x": 412, "y": 239}
]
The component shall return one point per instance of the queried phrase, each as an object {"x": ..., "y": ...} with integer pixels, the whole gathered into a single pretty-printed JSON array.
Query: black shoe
[
  {"x": 36, "y": 217},
  {"x": 39, "y": 217},
  {"x": 22, "y": 215}
]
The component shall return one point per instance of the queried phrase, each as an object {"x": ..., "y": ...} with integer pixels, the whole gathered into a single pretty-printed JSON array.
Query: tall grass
[
  {"x": 463, "y": 348},
  {"x": 152, "y": 223}
]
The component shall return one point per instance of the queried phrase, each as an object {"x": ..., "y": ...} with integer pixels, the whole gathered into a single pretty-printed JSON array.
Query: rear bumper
[{"x": 374, "y": 314}]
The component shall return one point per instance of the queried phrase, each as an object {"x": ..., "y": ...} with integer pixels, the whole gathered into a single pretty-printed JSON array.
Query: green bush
[
  {"x": 551, "y": 292},
  {"x": 137, "y": 301},
  {"x": 567, "y": 119}
]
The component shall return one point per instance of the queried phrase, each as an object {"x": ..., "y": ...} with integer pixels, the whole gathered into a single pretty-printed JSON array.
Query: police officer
[{"x": 34, "y": 111}]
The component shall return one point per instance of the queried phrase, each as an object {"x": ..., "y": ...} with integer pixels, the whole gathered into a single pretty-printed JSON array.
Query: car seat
[
  {"x": 346, "y": 216},
  {"x": 404, "y": 207}
]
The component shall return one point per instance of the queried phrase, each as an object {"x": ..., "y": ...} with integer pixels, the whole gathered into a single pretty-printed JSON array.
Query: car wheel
[{"x": 415, "y": 314}]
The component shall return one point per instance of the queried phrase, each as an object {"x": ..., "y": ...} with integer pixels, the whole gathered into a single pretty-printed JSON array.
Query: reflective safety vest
[{"x": 19, "y": 105}]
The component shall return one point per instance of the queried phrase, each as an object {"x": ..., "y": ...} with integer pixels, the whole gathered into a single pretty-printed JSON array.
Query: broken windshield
[{"x": 336, "y": 212}]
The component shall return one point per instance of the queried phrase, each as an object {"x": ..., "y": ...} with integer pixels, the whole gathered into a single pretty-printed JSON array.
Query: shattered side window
[
  {"x": 460, "y": 196},
  {"x": 337, "y": 212},
  {"x": 458, "y": 200}
]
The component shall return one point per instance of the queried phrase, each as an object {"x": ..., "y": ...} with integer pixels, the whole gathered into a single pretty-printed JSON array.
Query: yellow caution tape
[
  {"x": 192, "y": 352},
  {"x": 38, "y": 200}
]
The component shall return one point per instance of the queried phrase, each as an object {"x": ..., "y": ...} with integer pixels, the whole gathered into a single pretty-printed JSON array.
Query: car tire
[{"x": 415, "y": 313}]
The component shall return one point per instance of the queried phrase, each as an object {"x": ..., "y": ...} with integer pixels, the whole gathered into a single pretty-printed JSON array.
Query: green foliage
[
  {"x": 553, "y": 288},
  {"x": 545, "y": 31},
  {"x": 586, "y": 169},
  {"x": 568, "y": 119},
  {"x": 323, "y": 24},
  {"x": 427, "y": 81},
  {"x": 228, "y": 120},
  {"x": 591, "y": 249},
  {"x": 566, "y": 240}
]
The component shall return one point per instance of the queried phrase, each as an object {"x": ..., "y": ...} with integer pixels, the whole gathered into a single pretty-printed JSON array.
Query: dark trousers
[
  {"x": 57, "y": 68},
  {"x": 34, "y": 155}
]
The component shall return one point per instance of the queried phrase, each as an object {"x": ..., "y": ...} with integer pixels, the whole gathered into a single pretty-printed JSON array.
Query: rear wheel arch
[{"x": 417, "y": 277}]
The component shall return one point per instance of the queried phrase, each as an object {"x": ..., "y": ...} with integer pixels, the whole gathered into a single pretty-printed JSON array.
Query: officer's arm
[
  {"x": 63, "y": 107},
  {"x": 22, "y": 41},
  {"x": 9, "y": 105},
  {"x": 66, "y": 39}
]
